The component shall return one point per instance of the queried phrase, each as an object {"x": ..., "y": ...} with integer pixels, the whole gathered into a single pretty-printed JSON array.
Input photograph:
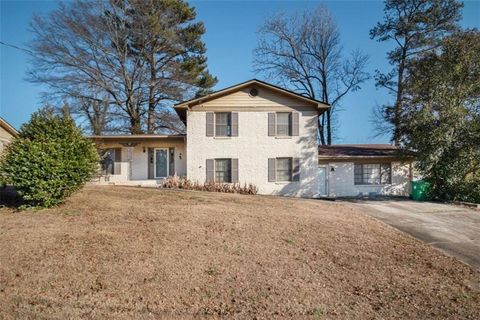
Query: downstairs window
[
  {"x": 373, "y": 173},
  {"x": 223, "y": 170}
]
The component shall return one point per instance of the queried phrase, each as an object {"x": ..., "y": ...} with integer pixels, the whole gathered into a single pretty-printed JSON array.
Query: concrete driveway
[{"x": 452, "y": 229}]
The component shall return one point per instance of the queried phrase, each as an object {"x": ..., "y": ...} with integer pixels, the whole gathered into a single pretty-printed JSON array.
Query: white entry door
[
  {"x": 322, "y": 178},
  {"x": 161, "y": 163}
]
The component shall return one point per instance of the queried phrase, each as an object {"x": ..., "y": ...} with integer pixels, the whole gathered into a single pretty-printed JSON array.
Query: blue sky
[{"x": 230, "y": 39}]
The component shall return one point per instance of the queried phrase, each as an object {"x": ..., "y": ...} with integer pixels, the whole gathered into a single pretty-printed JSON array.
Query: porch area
[{"x": 140, "y": 160}]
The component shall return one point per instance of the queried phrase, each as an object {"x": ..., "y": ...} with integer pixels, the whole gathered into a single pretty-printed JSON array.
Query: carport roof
[{"x": 347, "y": 151}]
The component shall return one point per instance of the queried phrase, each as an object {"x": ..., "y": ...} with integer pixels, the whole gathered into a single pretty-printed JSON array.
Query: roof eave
[
  {"x": 359, "y": 157},
  {"x": 136, "y": 137},
  {"x": 186, "y": 104},
  {"x": 8, "y": 127}
]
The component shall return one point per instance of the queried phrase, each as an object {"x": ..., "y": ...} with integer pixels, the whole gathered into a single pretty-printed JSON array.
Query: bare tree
[
  {"x": 96, "y": 112},
  {"x": 82, "y": 48},
  {"x": 137, "y": 56},
  {"x": 304, "y": 52}
]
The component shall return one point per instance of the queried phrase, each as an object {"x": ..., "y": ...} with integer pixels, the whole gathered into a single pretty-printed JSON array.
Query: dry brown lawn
[{"x": 122, "y": 253}]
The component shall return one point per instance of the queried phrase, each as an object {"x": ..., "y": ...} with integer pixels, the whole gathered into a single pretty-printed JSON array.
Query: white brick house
[{"x": 253, "y": 132}]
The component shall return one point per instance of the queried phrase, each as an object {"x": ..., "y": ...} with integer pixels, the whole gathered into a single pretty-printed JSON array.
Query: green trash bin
[{"x": 420, "y": 190}]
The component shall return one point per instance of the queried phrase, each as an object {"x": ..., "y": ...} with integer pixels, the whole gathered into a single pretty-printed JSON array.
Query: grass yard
[{"x": 122, "y": 253}]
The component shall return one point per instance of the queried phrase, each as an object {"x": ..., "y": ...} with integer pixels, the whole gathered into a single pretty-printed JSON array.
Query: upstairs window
[
  {"x": 284, "y": 123},
  {"x": 373, "y": 174},
  {"x": 223, "y": 124}
]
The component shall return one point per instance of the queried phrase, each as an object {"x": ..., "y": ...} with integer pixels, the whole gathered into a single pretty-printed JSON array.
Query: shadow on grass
[{"x": 10, "y": 198}]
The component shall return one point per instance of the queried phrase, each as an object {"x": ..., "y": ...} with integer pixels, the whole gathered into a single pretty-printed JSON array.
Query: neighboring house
[
  {"x": 364, "y": 170},
  {"x": 7, "y": 133},
  {"x": 253, "y": 132}
]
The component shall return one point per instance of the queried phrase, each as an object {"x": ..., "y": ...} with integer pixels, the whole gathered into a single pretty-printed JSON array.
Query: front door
[
  {"x": 161, "y": 163},
  {"x": 322, "y": 178}
]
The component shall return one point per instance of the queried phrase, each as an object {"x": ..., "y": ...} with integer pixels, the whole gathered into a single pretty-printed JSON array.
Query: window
[
  {"x": 107, "y": 161},
  {"x": 284, "y": 121},
  {"x": 223, "y": 170},
  {"x": 223, "y": 124},
  {"x": 373, "y": 174},
  {"x": 284, "y": 169}
]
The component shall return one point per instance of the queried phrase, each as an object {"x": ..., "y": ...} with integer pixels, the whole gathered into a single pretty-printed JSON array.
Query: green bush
[
  {"x": 49, "y": 161},
  {"x": 465, "y": 190}
]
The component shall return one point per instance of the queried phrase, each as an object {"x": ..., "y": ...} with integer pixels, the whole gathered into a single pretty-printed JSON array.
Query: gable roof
[
  {"x": 5, "y": 125},
  {"x": 186, "y": 104},
  {"x": 358, "y": 151}
]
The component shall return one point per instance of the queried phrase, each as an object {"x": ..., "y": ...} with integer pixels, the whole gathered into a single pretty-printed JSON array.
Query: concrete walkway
[{"x": 452, "y": 229}]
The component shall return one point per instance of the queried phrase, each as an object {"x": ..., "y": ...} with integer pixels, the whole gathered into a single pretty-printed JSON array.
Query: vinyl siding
[
  {"x": 5, "y": 138},
  {"x": 5, "y": 135},
  {"x": 265, "y": 101}
]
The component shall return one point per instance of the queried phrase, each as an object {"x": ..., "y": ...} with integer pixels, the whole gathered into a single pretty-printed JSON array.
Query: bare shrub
[{"x": 176, "y": 182}]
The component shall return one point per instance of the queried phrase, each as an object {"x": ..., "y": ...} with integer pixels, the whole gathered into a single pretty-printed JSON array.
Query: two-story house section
[
  {"x": 253, "y": 132},
  {"x": 257, "y": 133}
]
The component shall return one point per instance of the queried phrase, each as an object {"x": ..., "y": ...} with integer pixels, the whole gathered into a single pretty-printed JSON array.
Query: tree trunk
[
  {"x": 329, "y": 126},
  {"x": 398, "y": 101},
  {"x": 321, "y": 128},
  {"x": 329, "y": 113},
  {"x": 135, "y": 125},
  {"x": 151, "y": 96},
  {"x": 134, "y": 117}
]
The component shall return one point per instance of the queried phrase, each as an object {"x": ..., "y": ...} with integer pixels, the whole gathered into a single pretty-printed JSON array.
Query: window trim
[
  {"x": 380, "y": 164},
  {"x": 290, "y": 169},
  {"x": 215, "y": 170},
  {"x": 229, "y": 124}
]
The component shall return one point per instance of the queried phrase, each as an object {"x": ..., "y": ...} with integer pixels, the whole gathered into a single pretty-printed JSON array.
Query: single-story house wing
[{"x": 361, "y": 170}]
